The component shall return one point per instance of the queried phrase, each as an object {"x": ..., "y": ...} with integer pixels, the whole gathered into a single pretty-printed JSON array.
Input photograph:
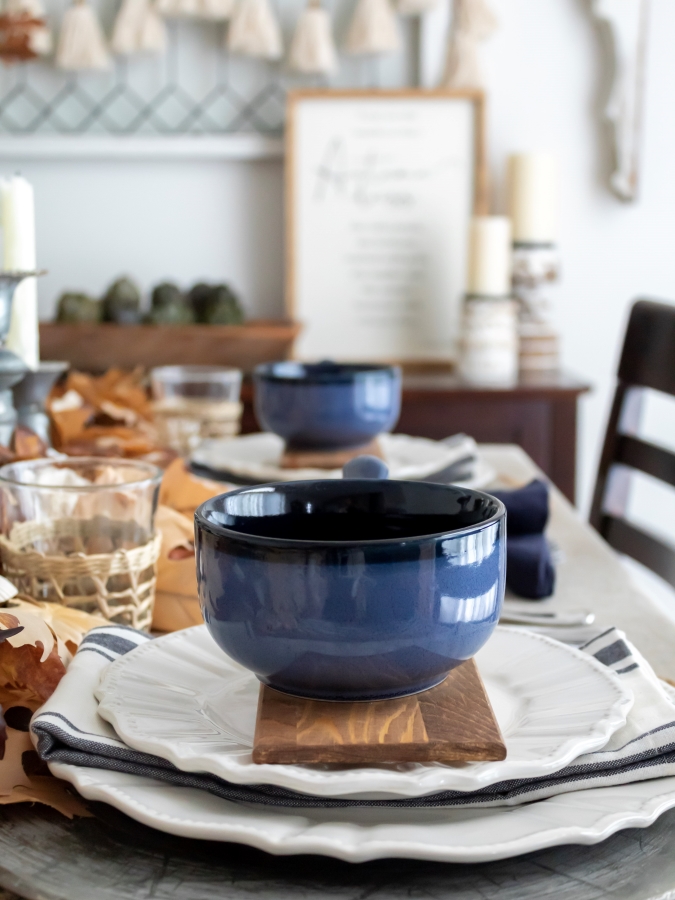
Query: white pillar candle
[
  {"x": 489, "y": 343},
  {"x": 533, "y": 197},
  {"x": 490, "y": 256},
  {"x": 18, "y": 227}
]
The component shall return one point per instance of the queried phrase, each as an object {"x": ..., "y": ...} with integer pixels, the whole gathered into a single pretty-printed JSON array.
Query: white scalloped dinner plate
[
  {"x": 357, "y": 835},
  {"x": 257, "y": 456},
  {"x": 180, "y": 697}
]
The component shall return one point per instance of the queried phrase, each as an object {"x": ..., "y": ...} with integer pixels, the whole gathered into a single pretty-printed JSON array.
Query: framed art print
[{"x": 380, "y": 190}]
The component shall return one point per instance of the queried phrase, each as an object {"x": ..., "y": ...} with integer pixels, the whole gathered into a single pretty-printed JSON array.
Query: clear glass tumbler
[
  {"x": 81, "y": 532},
  {"x": 192, "y": 403}
]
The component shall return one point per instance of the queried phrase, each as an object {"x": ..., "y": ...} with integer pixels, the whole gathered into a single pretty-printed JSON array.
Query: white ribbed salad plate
[
  {"x": 357, "y": 835},
  {"x": 180, "y": 697},
  {"x": 257, "y": 457}
]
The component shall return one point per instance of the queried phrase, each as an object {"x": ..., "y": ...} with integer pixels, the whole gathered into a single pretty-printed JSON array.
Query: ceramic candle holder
[
  {"x": 327, "y": 405},
  {"x": 357, "y": 589}
]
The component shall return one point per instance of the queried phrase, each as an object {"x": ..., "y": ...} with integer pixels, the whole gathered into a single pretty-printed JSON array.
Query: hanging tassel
[
  {"x": 81, "y": 43},
  {"x": 462, "y": 63},
  {"x": 216, "y": 10},
  {"x": 473, "y": 22},
  {"x": 176, "y": 9},
  {"x": 415, "y": 7},
  {"x": 373, "y": 29},
  {"x": 255, "y": 31},
  {"x": 312, "y": 48},
  {"x": 152, "y": 37},
  {"x": 138, "y": 28},
  {"x": 212, "y": 10},
  {"x": 475, "y": 17}
]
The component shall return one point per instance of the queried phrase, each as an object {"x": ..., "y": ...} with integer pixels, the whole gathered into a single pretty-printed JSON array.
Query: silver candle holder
[
  {"x": 13, "y": 369},
  {"x": 536, "y": 265}
]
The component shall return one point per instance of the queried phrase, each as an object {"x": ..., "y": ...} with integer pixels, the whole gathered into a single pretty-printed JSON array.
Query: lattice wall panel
[{"x": 196, "y": 87}]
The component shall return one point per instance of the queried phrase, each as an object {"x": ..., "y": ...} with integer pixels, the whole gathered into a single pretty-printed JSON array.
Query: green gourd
[
  {"x": 122, "y": 303},
  {"x": 74, "y": 306},
  {"x": 215, "y": 305},
  {"x": 169, "y": 306}
]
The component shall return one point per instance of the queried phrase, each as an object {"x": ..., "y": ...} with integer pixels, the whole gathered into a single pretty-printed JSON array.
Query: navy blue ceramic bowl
[
  {"x": 327, "y": 405},
  {"x": 353, "y": 589}
]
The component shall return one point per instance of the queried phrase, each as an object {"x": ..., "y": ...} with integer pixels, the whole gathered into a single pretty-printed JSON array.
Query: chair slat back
[{"x": 647, "y": 361}]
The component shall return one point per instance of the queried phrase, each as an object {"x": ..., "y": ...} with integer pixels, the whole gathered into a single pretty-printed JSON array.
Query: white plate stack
[{"x": 182, "y": 700}]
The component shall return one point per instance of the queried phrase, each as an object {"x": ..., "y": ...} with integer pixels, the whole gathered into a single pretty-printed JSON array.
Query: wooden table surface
[{"x": 46, "y": 857}]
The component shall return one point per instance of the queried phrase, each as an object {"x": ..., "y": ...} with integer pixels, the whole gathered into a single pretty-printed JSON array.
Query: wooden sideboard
[{"x": 539, "y": 414}]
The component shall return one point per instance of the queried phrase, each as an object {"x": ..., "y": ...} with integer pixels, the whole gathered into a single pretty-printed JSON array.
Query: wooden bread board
[{"x": 452, "y": 722}]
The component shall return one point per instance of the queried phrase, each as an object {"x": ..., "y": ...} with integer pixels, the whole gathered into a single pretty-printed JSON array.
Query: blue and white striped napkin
[{"x": 68, "y": 729}]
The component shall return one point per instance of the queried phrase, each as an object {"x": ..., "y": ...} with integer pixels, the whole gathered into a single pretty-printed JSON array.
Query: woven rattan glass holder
[{"x": 80, "y": 532}]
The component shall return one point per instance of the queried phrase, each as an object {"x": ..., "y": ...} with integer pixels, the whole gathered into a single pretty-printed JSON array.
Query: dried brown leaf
[
  {"x": 50, "y": 791},
  {"x": 69, "y": 424},
  {"x": 184, "y": 491},
  {"x": 68, "y": 624},
  {"x": 26, "y": 444},
  {"x": 6, "y": 455},
  {"x": 33, "y": 661},
  {"x": 34, "y": 631},
  {"x": 11, "y": 768},
  {"x": 17, "y": 786}
]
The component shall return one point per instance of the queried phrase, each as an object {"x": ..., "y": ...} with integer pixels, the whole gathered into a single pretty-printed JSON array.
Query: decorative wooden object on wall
[{"x": 624, "y": 27}]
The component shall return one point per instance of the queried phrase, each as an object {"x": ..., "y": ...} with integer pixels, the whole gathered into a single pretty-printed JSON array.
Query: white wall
[
  {"x": 545, "y": 81},
  {"x": 224, "y": 220},
  {"x": 159, "y": 219}
]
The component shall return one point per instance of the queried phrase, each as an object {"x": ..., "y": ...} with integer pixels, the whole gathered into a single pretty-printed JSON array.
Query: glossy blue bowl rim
[
  {"x": 294, "y": 543},
  {"x": 340, "y": 373}
]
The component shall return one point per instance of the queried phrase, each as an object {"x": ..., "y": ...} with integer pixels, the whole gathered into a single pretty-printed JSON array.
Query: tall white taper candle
[
  {"x": 533, "y": 197},
  {"x": 490, "y": 256},
  {"x": 18, "y": 227}
]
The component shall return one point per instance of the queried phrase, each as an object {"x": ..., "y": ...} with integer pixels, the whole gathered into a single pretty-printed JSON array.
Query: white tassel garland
[
  {"x": 81, "y": 44},
  {"x": 138, "y": 28},
  {"x": 312, "y": 48},
  {"x": 473, "y": 22},
  {"x": 373, "y": 29},
  {"x": 255, "y": 31}
]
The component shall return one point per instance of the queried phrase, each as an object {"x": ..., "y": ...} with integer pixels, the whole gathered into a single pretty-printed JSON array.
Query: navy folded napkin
[{"x": 529, "y": 567}]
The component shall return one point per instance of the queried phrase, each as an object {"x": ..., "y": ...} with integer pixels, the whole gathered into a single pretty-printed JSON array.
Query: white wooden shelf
[{"x": 74, "y": 147}]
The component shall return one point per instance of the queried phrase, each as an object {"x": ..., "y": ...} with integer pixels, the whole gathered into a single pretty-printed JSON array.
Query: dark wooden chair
[{"x": 647, "y": 361}]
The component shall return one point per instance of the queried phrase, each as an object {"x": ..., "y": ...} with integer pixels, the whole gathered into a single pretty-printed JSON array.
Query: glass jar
[{"x": 191, "y": 403}]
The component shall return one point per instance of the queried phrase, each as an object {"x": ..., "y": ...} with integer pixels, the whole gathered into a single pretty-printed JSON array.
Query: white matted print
[{"x": 380, "y": 190}]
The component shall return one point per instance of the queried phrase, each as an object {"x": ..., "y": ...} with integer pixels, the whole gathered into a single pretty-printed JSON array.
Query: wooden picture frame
[{"x": 402, "y": 172}]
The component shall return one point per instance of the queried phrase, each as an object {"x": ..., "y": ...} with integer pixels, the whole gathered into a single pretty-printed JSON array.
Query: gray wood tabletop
[{"x": 44, "y": 856}]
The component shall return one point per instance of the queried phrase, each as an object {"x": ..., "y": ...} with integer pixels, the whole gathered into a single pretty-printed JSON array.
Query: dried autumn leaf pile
[
  {"x": 37, "y": 641},
  {"x": 106, "y": 415}
]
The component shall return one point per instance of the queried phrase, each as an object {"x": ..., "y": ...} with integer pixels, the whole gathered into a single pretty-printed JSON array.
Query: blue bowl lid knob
[{"x": 365, "y": 467}]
